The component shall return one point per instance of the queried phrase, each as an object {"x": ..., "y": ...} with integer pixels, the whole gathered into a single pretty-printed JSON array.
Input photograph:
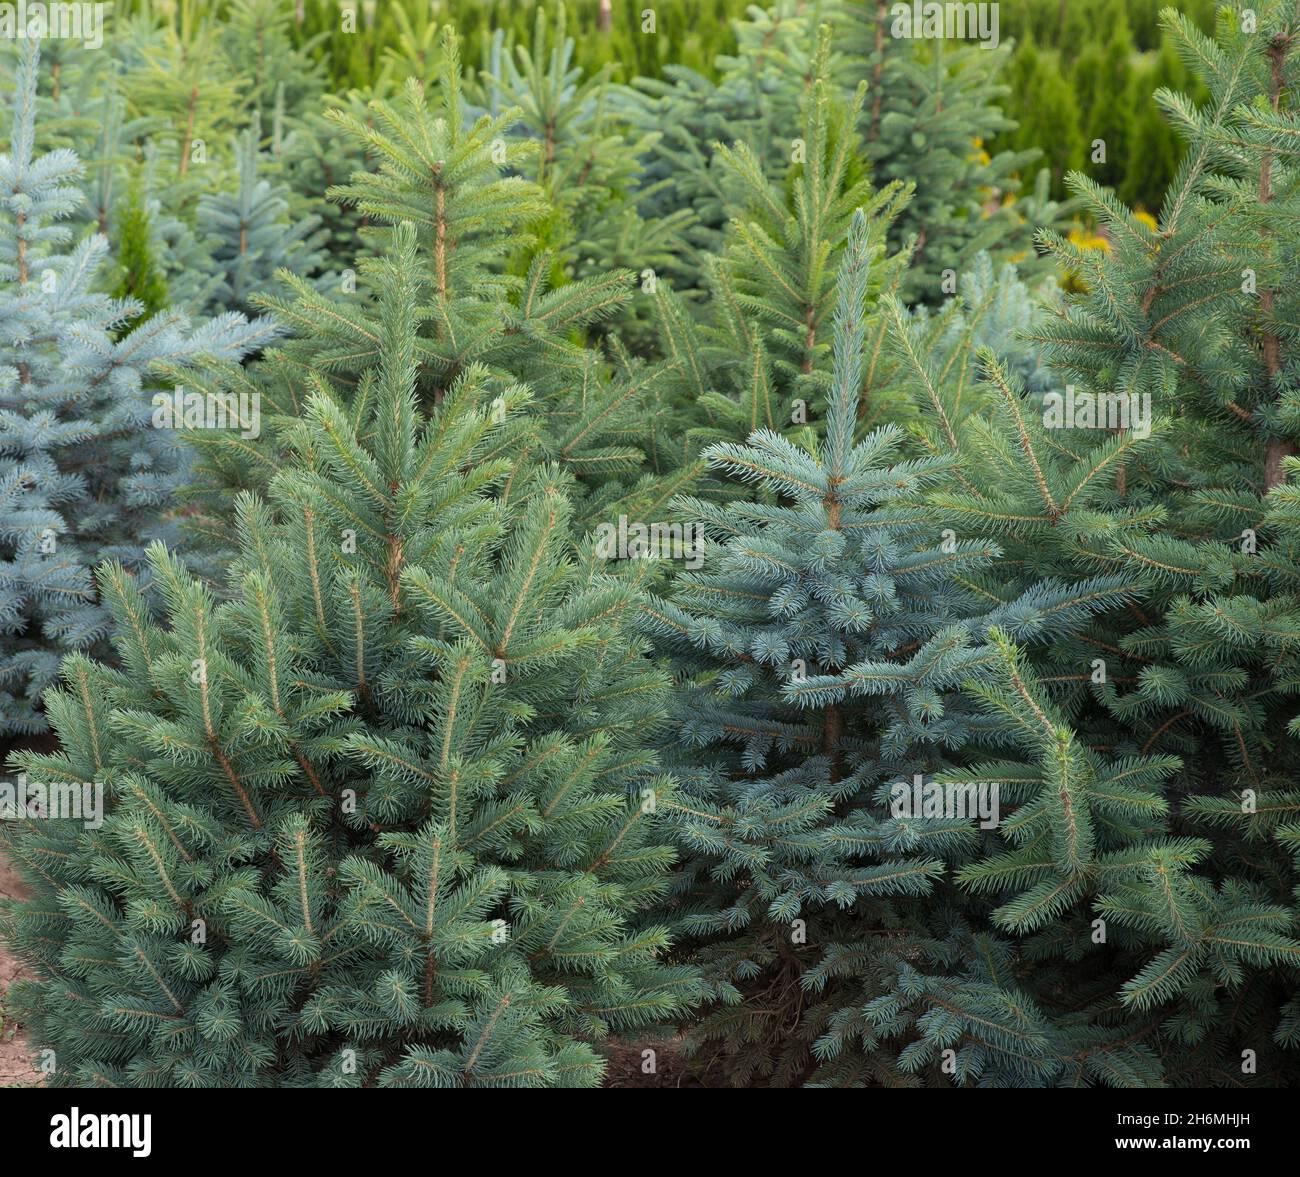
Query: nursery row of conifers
[
  {"x": 1065, "y": 72},
  {"x": 580, "y": 593}
]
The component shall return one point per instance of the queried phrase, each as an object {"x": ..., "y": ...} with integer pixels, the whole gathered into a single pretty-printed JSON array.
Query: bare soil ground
[
  {"x": 628, "y": 1063},
  {"x": 16, "y": 1069}
]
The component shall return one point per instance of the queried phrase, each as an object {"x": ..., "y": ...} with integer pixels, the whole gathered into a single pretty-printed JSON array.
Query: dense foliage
[{"x": 734, "y": 525}]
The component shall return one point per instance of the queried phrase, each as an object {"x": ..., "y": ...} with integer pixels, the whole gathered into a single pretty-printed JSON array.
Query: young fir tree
[
  {"x": 74, "y": 94},
  {"x": 755, "y": 100},
  {"x": 80, "y": 107},
  {"x": 823, "y": 648},
  {"x": 1191, "y": 651},
  {"x": 1188, "y": 321},
  {"x": 1212, "y": 301},
  {"x": 1111, "y": 950},
  {"x": 131, "y": 169},
  {"x": 599, "y": 420},
  {"x": 1275, "y": 824},
  {"x": 383, "y": 816},
  {"x": 194, "y": 80},
  {"x": 854, "y": 944},
  {"x": 191, "y": 91},
  {"x": 928, "y": 111},
  {"x": 256, "y": 38},
  {"x": 1075, "y": 588},
  {"x": 130, "y": 183},
  {"x": 757, "y": 354},
  {"x": 84, "y": 475},
  {"x": 786, "y": 639},
  {"x": 587, "y": 163}
]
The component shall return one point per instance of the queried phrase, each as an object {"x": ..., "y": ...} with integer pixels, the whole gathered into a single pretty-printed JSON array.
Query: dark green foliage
[
  {"x": 1086, "y": 70},
  {"x": 391, "y": 41},
  {"x": 1051, "y": 121},
  {"x": 138, "y": 276}
]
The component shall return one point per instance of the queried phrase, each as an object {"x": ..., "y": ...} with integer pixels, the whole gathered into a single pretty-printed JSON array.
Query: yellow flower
[
  {"x": 1083, "y": 238},
  {"x": 1086, "y": 239}
]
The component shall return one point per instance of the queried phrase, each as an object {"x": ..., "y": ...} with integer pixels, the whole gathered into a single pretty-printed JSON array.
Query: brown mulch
[
  {"x": 627, "y": 1065},
  {"x": 16, "y": 1069}
]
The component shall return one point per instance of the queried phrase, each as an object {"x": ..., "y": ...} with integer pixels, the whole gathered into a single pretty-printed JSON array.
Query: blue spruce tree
[
  {"x": 84, "y": 476},
  {"x": 904, "y": 865},
  {"x": 251, "y": 233},
  {"x": 822, "y": 646}
]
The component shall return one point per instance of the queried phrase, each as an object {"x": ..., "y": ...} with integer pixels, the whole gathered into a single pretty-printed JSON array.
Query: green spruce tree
[
  {"x": 384, "y": 815},
  {"x": 757, "y": 355}
]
